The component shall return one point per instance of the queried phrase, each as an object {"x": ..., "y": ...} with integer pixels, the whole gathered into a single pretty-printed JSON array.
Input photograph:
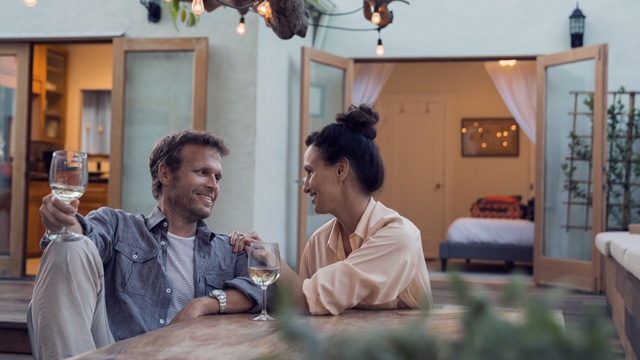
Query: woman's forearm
[{"x": 291, "y": 282}]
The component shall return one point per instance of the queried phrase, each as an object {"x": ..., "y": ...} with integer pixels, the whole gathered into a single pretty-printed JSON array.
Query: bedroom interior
[{"x": 419, "y": 95}]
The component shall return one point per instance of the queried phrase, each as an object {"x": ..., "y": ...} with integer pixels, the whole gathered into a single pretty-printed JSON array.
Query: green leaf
[
  {"x": 183, "y": 15},
  {"x": 174, "y": 9},
  {"x": 191, "y": 21}
]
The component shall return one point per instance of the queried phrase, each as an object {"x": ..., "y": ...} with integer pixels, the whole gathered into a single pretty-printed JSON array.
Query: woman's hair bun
[{"x": 360, "y": 118}]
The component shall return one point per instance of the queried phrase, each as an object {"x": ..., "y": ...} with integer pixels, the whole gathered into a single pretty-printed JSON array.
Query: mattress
[{"x": 491, "y": 231}]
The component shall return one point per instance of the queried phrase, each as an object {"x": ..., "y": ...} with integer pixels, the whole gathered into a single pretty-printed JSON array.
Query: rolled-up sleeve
[
  {"x": 374, "y": 274},
  {"x": 243, "y": 283}
]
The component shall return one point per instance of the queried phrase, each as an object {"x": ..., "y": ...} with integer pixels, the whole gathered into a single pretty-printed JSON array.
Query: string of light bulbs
[
  {"x": 333, "y": 14},
  {"x": 264, "y": 9}
]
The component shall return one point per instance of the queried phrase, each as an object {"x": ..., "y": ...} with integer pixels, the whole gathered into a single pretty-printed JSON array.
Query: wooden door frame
[
  {"x": 122, "y": 46},
  {"x": 308, "y": 55},
  {"x": 13, "y": 265},
  {"x": 584, "y": 275}
]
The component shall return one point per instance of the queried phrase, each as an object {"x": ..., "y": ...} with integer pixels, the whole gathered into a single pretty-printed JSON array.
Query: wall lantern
[{"x": 576, "y": 27}]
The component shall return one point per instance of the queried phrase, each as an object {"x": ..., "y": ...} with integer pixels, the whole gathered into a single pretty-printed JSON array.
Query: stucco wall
[
  {"x": 276, "y": 143},
  {"x": 493, "y": 28}
]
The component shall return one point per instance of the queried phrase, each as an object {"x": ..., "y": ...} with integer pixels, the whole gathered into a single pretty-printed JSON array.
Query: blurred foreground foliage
[{"x": 539, "y": 334}]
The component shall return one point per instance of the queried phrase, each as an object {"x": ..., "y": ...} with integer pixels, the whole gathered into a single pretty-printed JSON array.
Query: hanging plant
[{"x": 182, "y": 10}]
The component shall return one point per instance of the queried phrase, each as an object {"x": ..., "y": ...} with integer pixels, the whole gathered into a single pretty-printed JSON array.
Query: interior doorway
[
  {"x": 70, "y": 109},
  {"x": 470, "y": 93}
]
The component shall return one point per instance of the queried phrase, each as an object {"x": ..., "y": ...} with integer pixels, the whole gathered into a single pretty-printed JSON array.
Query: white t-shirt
[{"x": 180, "y": 268}]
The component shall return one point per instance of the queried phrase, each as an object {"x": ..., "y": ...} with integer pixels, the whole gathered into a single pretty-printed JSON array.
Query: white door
[{"x": 411, "y": 139}]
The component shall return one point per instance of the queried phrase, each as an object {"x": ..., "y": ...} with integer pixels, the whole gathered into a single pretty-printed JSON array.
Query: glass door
[
  {"x": 570, "y": 142},
  {"x": 325, "y": 90},
  {"x": 14, "y": 91},
  {"x": 159, "y": 86}
]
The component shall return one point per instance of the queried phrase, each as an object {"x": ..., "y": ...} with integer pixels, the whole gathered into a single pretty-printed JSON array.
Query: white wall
[
  {"x": 494, "y": 28},
  {"x": 276, "y": 143}
]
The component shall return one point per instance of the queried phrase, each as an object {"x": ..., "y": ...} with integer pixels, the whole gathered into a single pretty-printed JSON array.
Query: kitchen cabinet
[
  {"x": 49, "y": 100},
  {"x": 93, "y": 198}
]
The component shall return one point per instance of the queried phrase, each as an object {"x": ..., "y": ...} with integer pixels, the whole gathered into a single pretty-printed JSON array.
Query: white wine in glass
[
  {"x": 68, "y": 179},
  {"x": 264, "y": 269}
]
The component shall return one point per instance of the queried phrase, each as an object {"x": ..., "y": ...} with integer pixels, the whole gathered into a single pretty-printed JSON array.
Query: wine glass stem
[{"x": 264, "y": 300}]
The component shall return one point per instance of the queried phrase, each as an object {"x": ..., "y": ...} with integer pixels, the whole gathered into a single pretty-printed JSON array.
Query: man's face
[{"x": 192, "y": 190}]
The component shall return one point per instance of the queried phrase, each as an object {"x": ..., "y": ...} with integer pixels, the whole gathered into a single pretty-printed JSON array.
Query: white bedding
[{"x": 491, "y": 231}]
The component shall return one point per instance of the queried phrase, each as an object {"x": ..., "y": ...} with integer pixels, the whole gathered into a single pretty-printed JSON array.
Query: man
[{"x": 132, "y": 274}]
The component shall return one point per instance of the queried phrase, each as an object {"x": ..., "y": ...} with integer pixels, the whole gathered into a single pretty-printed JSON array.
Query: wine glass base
[{"x": 262, "y": 317}]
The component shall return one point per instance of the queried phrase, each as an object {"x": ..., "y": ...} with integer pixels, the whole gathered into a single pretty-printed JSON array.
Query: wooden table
[{"x": 234, "y": 336}]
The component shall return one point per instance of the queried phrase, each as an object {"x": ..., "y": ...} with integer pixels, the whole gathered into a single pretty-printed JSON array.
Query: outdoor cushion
[
  {"x": 632, "y": 261},
  {"x": 603, "y": 240},
  {"x": 620, "y": 245}
]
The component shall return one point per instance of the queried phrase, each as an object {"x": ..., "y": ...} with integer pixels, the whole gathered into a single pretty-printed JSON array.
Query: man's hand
[
  {"x": 196, "y": 308},
  {"x": 56, "y": 214},
  {"x": 236, "y": 302}
]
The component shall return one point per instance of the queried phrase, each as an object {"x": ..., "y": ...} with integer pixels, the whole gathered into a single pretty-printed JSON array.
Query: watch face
[{"x": 218, "y": 293}]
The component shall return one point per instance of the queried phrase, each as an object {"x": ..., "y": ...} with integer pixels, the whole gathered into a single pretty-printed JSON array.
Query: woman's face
[{"x": 321, "y": 182}]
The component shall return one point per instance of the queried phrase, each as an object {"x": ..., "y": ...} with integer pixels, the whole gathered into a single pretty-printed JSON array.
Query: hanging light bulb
[
  {"x": 167, "y": 0},
  {"x": 30, "y": 2},
  {"x": 379, "y": 48},
  {"x": 264, "y": 8},
  {"x": 240, "y": 28},
  {"x": 197, "y": 7},
  {"x": 375, "y": 17}
]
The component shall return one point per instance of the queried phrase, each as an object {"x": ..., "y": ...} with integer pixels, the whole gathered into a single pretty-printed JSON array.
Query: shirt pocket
[
  {"x": 216, "y": 280},
  {"x": 135, "y": 271}
]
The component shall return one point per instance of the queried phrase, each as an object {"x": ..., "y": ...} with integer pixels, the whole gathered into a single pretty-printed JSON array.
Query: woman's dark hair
[
  {"x": 352, "y": 138},
  {"x": 168, "y": 150}
]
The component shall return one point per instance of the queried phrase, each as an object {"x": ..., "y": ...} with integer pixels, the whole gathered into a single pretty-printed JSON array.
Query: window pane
[
  {"x": 568, "y": 172},
  {"x": 326, "y": 99},
  {"x": 158, "y": 98}
]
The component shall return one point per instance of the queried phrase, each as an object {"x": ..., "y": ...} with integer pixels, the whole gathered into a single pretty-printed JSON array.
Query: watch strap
[{"x": 221, "y": 296}]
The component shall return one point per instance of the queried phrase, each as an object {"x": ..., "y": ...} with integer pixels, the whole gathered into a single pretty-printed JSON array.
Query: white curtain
[
  {"x": 369, "y": 81},
  {"x": 517, "y": 86}
]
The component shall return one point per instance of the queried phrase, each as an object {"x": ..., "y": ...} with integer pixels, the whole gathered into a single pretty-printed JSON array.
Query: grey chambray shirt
[{"x": 133, "y": 249}]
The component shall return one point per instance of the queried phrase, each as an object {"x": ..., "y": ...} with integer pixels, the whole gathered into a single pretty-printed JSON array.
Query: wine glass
[
  {"x": 68, "y": 180},
  {"x": 264, "y": 269}
]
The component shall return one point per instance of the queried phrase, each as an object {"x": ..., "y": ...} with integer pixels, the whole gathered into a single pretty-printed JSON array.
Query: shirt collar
[
  {"x": 356, "y": 239},
  {"x": 157, "y": 216}
]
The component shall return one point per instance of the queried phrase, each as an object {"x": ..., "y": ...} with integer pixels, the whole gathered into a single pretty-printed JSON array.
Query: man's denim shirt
[{"x": 133, "y": 249}]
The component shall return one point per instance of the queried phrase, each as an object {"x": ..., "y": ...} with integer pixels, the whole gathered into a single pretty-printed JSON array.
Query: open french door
[
  {"x": 159, "y": 86},
  {"x": 326, "y": 83},
  {"x": 14, "y": 140},
  {"x": 570, "y": 201}
]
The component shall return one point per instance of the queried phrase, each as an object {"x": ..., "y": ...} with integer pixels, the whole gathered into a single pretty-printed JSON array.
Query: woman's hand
[{"x": 241, "y": 241}]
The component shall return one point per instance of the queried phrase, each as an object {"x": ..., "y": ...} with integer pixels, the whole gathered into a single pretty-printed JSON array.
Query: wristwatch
[{"x": 222, "y": 299}]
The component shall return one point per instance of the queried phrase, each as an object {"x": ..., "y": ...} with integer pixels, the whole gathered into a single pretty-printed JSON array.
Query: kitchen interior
[{"x": 70, "y": 109}]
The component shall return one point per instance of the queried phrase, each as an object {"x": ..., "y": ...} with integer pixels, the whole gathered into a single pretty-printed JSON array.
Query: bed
[{"x": 507, "y": 240}]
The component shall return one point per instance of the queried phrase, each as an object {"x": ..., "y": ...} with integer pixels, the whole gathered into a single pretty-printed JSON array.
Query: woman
[{"x": 368, "y": 256}]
